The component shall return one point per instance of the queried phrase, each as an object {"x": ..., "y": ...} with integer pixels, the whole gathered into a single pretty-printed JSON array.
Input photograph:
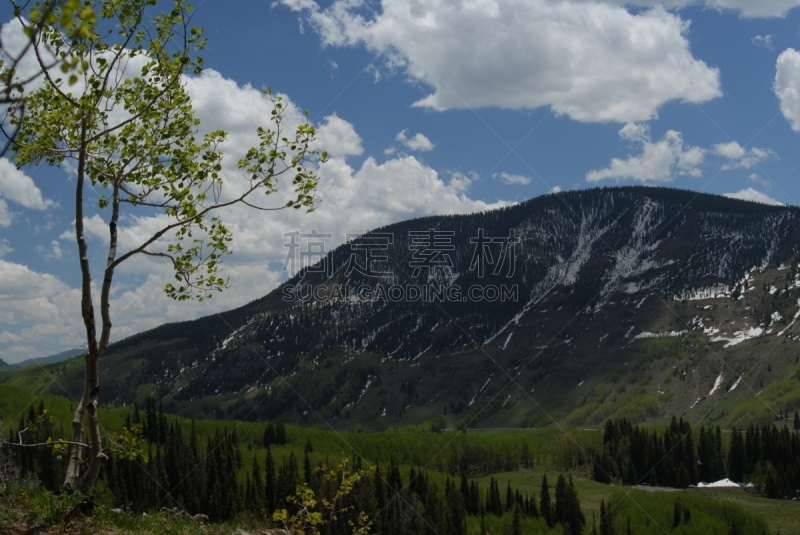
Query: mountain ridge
[{"x": 587, "y": 265}]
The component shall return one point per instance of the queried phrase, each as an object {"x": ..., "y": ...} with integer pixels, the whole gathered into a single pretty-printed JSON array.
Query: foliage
[
  {"x": 767, "y": 456},
  {"x": 642, "y": 512},
  {"x": 124, "y": 119},
  {"x": 312, "y": 514}
]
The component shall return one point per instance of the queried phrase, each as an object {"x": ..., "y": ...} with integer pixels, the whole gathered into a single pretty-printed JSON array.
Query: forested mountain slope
[{"x": 635, "y": 302}]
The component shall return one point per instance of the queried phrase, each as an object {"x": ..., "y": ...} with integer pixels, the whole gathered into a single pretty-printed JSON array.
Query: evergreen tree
[
  {"x": 307, "y": 462},
  {"x": 257, "y": 497},
  {"x": 573, "y": 518},
  {"x": 719, "y": 465},
  {"x": 269, "y": 483},
  {"x": 456, "y": 516},
  {"x": 269, "y": 435},
  {"x": 280, "y": 434},
  {"x": 606, "y": 521},
  {"x": 737, "y": 457},
  {"x": 516, "y": 521},
  {"x": 561, "y": 500},
  {"x": 544, "y": 503}
]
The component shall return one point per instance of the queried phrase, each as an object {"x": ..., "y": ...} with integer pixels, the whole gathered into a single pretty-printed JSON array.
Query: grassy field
[{"x": 417, "y": 446}]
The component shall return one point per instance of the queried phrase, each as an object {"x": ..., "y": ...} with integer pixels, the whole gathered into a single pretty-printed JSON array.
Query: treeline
[
  {"x": 766, "y": 456},
  {"x": 165, "y": 466}
]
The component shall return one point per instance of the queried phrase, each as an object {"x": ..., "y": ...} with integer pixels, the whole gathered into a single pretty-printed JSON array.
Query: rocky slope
[{"x": 642, "y": 302}]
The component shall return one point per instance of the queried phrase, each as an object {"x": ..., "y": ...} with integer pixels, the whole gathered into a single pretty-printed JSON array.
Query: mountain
[
  {"x": 572, "y": 307},
  {"x": 58, "y": 357}
]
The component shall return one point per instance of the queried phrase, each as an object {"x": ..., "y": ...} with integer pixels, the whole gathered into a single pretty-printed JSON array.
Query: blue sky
[{"x": 432, "y": 108}]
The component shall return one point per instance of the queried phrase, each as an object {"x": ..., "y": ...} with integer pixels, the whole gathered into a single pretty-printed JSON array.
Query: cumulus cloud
[
  {"x": 764, "y": 41},
  {"x": 5, "y": 248},
  {"x": 753, "y": 9},
  {"x": 787, "y": 86},
  {"x": 42, "y": 314},
  {"x": 745, "y": 8},
  {"x": 416, "y": 142},
  {"x": 56, "y": 253},
  {"x": 750, "y": 194},
  {"x": 39, "y": 312},
  {"x": 588, "y": 60},
  {"x": 658, "y": 161},
  {"x": 555, "y": 189},
  {"x": 5, "y": 214},
  {"x": 18, "y": 187},
  {"x": 515, "y": 180},
  {"x": 338, "y": 137},
  {"x": 740, "y": 158},
  {"x": 763, "y": 182}
]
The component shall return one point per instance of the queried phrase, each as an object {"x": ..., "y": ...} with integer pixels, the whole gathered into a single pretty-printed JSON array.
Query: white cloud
[
  {"x": 5, "y": 214},
  {"x": 662, "y": 160},
  {"x": 756, "y": 8},
  {"x": 659, "y": 161},
  {"x": 787, "y": 86},
  {"x": 416, "y": 142},
  {"x": 590, "y": 61},
  {"x": 338, "y": 137},
  {"x": 5, "y": 248},
  {"x": 18, "y": 187},
  {"x": 750, "y": 194},
  {"x": 56, "y": 253},
  {"x": 764, "y": 41},
  {"x": 763, "y": 182},
  {"x": 515, "y": 180},
  {"x": 44, "y": 319},
  {"x": 732, "y": 150},
  {"x": 555, "y": 189},
  {"x": 739, "y": 157},
  {"x": 746, "y": 8}
]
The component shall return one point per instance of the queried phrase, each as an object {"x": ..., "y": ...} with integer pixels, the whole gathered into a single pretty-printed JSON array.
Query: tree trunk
[{"x": 91, "y": 386}]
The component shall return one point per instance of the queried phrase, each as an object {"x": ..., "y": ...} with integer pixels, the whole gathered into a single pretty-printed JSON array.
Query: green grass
[
  {"x": 781, "y": 516},
  {"x": 416, "y": 445},
  {"x": 27, "y": 508}
]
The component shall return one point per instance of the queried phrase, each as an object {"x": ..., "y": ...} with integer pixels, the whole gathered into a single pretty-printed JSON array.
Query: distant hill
[
  {"x": 58, "y": 357},
  {"x": 631, "y": 302}
]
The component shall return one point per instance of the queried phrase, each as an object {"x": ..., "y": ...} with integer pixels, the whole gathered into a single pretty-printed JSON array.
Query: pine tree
[
  {"x": 456, "y": 513},
  {"x": 516, "y": 521},
  {"x": 544, "y": 503},
  {"x": 796, "y": 421},
  {"x": 606, "y": 522},
  {"x": 719, "y": 465},
  {"x": 573, "y": 519},
  {"x": 380, "y": 497},
  {"x": 280, "y": 434},
  {"x": 465, "y": 493},
  {"x": 307, "y": 462},
  {"x": 269, "y": 435},
  {"x": 737, "y": 457},
  {"x": 269, "y": 483},
  {"x": 561, "y": 500}
]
